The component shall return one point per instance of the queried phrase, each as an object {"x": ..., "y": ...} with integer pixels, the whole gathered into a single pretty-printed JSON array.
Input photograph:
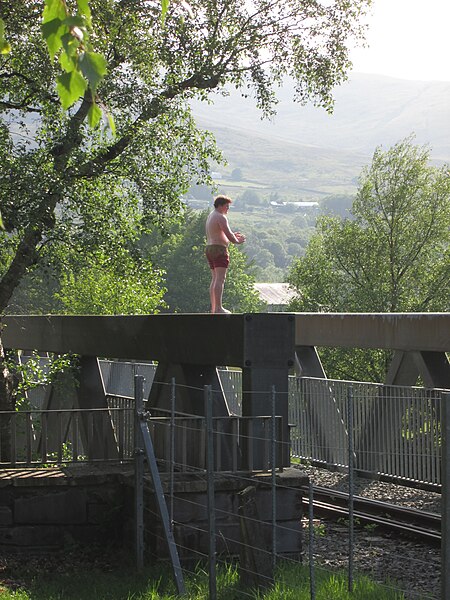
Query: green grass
[{"x": 291, "y": 583}]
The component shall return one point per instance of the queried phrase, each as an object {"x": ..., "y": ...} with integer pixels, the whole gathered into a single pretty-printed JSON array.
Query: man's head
[{"x": 222, "y": 201}]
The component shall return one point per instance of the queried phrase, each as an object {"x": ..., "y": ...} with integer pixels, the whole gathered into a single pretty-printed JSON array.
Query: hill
[{"x": 305, "y": 151}]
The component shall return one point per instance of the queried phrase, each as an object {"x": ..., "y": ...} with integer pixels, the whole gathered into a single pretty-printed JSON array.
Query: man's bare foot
[{"x": 223, "y": 311}]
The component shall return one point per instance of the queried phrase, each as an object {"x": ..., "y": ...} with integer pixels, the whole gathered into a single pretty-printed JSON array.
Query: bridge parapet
[
  {"x": 190, "y": 347},
  {"x": 187, "y": 347}
]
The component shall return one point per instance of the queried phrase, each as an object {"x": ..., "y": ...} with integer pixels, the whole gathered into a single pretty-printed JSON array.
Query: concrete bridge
[{"x": 267, "y": 347}]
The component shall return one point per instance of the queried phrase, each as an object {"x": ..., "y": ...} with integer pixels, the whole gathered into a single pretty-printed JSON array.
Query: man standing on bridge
[{"x": 218, "y": 237}]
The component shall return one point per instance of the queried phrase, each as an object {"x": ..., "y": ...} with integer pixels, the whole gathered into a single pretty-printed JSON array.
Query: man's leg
[
  {"x": 211, "y": 290},
  {"x": 218, "y": 284}
]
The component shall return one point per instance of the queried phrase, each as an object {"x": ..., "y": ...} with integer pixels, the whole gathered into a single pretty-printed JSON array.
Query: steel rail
[{"x": 404, "y": 520}]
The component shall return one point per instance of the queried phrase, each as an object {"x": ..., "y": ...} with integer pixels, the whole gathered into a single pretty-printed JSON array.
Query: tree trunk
[{"x": 7, "y": 404}]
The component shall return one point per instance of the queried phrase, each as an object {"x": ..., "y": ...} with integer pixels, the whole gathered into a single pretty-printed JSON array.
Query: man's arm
[{"x": 235, "y": 238}]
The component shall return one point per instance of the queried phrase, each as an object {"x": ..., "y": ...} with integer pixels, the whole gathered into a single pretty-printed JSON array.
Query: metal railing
[
  {"x": 396, "y": 429},
  {"x": 55, "y": 437},
  {"x": 179, "y": 440}
]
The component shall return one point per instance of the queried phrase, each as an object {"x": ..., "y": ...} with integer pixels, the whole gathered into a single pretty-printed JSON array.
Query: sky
[{"x": 408, "y": 39}]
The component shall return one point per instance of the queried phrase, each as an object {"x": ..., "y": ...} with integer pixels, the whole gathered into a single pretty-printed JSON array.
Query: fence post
[
  {"x": 210, "y": 493},
  {"x": 312, "y": 578},
  {"x": 350, "y": 487},
  {"x": 172, "y": 445},
  {"x": 274, "y": 481},
  {"x": 139, "y": 472},
  {"x": 445, "y": 509}
]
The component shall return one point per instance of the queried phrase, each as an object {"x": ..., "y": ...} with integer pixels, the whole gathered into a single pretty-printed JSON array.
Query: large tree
[
  {"x": 52, "y": 162},
  {"x": 393, "y": 255}
]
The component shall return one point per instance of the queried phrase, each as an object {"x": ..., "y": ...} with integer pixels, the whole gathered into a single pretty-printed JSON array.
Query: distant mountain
[
  {"x": 370, "y": 110},
  {"x": 305, "y": 151}
]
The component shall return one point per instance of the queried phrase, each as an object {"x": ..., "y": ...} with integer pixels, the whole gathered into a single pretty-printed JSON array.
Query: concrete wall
[{"x": 48, "y": 510}]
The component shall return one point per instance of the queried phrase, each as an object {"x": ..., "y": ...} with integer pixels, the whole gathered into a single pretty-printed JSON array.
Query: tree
[
  {"x": 337, "y": 205},
  {"x": 52, "y": 162},
  {"x": 392, "y": 256},
  {"x": 92, "y": 264},
  {"x": 249, "y": 198},
  {"x": 182, "y": 256},
  {"x": 67, "y": 36},
  {"x": 125, "y": 287}
]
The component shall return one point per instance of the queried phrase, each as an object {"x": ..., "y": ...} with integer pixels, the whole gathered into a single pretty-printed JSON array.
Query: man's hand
[{"x": 240, "y": 237}]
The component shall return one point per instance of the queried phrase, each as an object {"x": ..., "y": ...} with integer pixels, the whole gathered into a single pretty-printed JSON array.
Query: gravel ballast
[{"x": 400, "y": 563}]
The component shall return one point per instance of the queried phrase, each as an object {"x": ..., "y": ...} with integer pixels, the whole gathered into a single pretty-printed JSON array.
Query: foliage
[
  {"x": 152, "y": 72},
  {"x": 236, "y": 174},
  {"x": 393, "y": 256},
  {"x": 181, "y": 254},
  {"x": 110, "y": 286},
  {"x": 291, "y": 582},
  {"x": 31, "y": 372},
  {"x": 274, "y": 240},
  {"x": 249, "y": 198},
  {"x": 91, "y": 265},
  {"x": 67, "y": 35},
  {"x": 338, "y": 205}
]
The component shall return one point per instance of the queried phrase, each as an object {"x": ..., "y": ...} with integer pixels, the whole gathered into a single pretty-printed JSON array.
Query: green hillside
[
  {"x": 305, "y": 154},
  {"x": 293, "y": 171}
]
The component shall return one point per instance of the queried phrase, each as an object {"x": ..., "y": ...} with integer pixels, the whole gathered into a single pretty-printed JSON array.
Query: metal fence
[
  {"x": 118, "y": 381},
  {"x": 392, "y": 429},
  {"x": 256, "y": 526},
  {"x": 396, "y": 429},
  {"x": 55, "y": 437}
]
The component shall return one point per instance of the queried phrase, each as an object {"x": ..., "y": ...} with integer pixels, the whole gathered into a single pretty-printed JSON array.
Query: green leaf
[
  {"x": 70, "y": 44},
  {"x": 4, "y": 45},
  {"x": 52, "y": 32},
  {"x": 112, "y": 124},
  {"x": 83, "y": 9},
  {"x": 94, "y": 115},
  {"x": 164, "y": 9},
  {"x": 74, "y": 21},
  {"x": 70, "y": 86},
  {"x": 1, "y": 222},
  {"x": 68, "y": 63},
  {"x": 54, "y": 9},
  {"x": 5, "y": 48},
  {"x": 93, "y": 66}
]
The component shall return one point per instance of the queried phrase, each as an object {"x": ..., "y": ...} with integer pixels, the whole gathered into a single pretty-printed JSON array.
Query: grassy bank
[{"x": 113, "y": 582}]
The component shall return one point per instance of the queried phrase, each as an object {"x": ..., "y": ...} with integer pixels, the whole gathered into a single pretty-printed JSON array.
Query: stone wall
[{"x": 46, "y": 510}]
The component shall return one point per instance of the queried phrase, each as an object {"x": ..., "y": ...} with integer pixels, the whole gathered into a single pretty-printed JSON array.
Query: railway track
[{"x": 410, "y": 522}]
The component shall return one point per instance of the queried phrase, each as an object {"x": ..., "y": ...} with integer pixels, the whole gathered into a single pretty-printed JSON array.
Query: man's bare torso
[{"x": 216, "y": 225}]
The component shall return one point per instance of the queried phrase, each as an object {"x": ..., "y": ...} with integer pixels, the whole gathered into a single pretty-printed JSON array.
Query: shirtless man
[{"x": 218, "y": 237}]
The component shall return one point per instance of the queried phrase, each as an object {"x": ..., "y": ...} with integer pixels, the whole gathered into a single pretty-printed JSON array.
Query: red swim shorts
[{"x": 217, "y": 256}]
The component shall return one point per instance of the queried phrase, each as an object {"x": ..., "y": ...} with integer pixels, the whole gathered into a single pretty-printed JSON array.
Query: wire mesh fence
[
  {"x": 223, "y": 512},
  {"x": 397, "y": 428},
  {"x": 258, "y": 523}
]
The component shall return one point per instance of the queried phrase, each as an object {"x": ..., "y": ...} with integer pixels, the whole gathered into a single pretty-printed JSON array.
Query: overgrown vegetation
[{"x": 122, "y": 583}]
